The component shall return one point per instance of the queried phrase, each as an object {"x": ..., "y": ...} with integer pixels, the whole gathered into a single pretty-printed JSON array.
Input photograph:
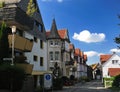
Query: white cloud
[
  {"x": 46, "y": 0},
  {"x": 115, "y": 50},
  {"x": 92, "y": 53},
  {"x": 86, "y": 36},
  {"x": 59, "y": 1}
]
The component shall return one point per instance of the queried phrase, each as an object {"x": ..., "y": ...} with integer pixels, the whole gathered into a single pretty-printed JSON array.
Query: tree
[
  {"x": 117, "y": 40},
  {"x": 57, "y": 80},
  {"x": 4, "y": 45}
]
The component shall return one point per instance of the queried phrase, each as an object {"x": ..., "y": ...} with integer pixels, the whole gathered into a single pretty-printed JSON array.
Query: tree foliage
[
  {"x": 116, "y": 82},
  {"x": 4, "y": 44},
  {"x": 31, "y": 8},
  {"x": 11, "y": 77},
  {"x": 117, "y": 39}
]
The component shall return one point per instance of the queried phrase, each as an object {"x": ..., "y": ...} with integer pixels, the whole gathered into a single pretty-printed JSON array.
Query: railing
[
  {"x": 21, "y": 43},
  {"x": 108, "y": 83}
]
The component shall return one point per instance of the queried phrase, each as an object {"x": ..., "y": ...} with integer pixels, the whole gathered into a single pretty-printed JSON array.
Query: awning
[{"x": 40, "y": 72}]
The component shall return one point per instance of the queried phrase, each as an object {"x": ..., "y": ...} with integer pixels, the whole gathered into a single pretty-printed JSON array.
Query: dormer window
[
  {"x": 56, "y": 43},
  {"x": 51, "y": 43},
  {"x": 114, "y": 61}
]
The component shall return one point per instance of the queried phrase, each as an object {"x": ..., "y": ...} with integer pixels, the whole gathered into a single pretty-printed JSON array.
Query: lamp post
[{"x": 13, "y": 32}]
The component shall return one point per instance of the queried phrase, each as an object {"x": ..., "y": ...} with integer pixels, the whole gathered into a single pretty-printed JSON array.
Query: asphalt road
[{"x": 93, "y": 86}]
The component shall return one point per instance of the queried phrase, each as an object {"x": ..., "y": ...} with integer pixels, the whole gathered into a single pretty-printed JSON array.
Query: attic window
[{"x": 114, "y": 61}]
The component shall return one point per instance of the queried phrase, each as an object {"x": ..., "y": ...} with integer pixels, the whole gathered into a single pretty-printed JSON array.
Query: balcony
[
  {"x": 16, "y": 16},
  {"x": 20, "y": 43}
]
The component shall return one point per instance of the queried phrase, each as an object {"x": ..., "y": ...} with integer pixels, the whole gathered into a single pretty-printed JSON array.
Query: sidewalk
[{"x": 92, "y": 86}]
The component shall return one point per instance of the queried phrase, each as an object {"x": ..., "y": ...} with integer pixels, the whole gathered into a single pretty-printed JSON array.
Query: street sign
[{"x": 47, "y": 80}]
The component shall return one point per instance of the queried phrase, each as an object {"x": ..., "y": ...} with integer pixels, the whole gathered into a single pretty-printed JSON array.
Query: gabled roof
[
  {"x": 81, "y": 54},
  {"x": 114, "y": 71},
  {"x": 62, "y": 33},
  {"x": 94, "y": 66},
  {"x": 104, "y": 58},
  {"x": 85, "y": 57},
  {"x": 77, "y": 52},
  {"x": 53, "y": 32}
]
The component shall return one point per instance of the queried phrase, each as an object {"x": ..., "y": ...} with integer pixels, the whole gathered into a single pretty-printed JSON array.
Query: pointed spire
[{"x": 54, "y": 32}]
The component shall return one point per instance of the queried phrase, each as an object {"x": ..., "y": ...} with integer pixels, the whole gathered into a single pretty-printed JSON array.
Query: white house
[{"x": 110, "y": 65}]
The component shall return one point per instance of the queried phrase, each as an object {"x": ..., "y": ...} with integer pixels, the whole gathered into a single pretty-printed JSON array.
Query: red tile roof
[
  {"x": 104, "y": 58},
  {"x": 81, "y": 54},
  {"x": 77, "y": 52},
  {"x": 61, "y": 32},
  {"x": 85, "y": 57},
  {"x": 114, "y": 71},
  {"x": 71, "y": 46},
  {"x": 47, "y": 33}
]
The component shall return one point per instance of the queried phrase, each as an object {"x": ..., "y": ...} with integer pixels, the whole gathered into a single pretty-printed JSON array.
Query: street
[{"x": 93, "y": 86}]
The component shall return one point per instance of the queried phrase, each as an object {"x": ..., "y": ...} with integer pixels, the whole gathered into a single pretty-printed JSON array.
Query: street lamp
[{"x": 13, "y": 32}]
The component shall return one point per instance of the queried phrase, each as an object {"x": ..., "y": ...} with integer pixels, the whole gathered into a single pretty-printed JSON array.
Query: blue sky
[{"x": 92, "y": 24}]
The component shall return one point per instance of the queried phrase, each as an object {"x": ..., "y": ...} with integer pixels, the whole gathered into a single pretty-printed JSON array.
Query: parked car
[{"x": 67, "y": 81}]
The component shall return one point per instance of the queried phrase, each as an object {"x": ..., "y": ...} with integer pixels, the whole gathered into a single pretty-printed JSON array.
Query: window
[
  {"x": 114, "y": 61},
  {"x": 39, "y": 26},
  {"x": 51, "y": 43},
  {"x": 41, "y": 44},
  {"x": 35, "y": 39},
  {"x": 56, "y": 55},
  {"x": 41, "y": 61},
  {"x": 56, "y": 43},
  {"x": 35, "y": 58},
  {"x": 51, "y": 55}
]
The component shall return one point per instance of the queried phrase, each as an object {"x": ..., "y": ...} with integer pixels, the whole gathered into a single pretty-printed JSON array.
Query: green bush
[
  {"x": 109, "y": 79},
  {"x": 116, "y": 82},
  {"x": 11, "y": 77},
  {"x": 84, "y": 78},
  {"x": 57, "y": 84}
]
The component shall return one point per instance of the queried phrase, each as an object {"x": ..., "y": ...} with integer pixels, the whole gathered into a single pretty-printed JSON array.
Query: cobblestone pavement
[{"x": 93, "y": 86}]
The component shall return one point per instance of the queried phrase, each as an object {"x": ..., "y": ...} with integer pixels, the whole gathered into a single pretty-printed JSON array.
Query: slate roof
[
  {"x": 104, "y": 58},
  {"x": 114, "y": 71},
  {"x": 62, "y": 34},
  {"x": 53, "y": 32}
]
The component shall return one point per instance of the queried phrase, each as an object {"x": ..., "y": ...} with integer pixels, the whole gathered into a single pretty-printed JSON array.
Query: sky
[{"x": 92, "y": 24}]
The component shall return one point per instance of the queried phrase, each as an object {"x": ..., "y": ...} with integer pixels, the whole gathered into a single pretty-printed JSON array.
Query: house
[
  {"x": 58, "y": 48},
  {"x": 72, "y": 60},
  {"x": 30, "y": 36},
  {"x": 80, "y": 63},
  {"x": 85, "y": 65},
  {"x": 77, "y": 62},
  {"x": 89, "y": 72},
  {"x": 97, "y": 71},
  {"x": 110, "y": 65}
]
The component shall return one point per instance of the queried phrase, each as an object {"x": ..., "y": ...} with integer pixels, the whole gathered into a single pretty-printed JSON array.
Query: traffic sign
[{"x": 47, "y": 80}]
